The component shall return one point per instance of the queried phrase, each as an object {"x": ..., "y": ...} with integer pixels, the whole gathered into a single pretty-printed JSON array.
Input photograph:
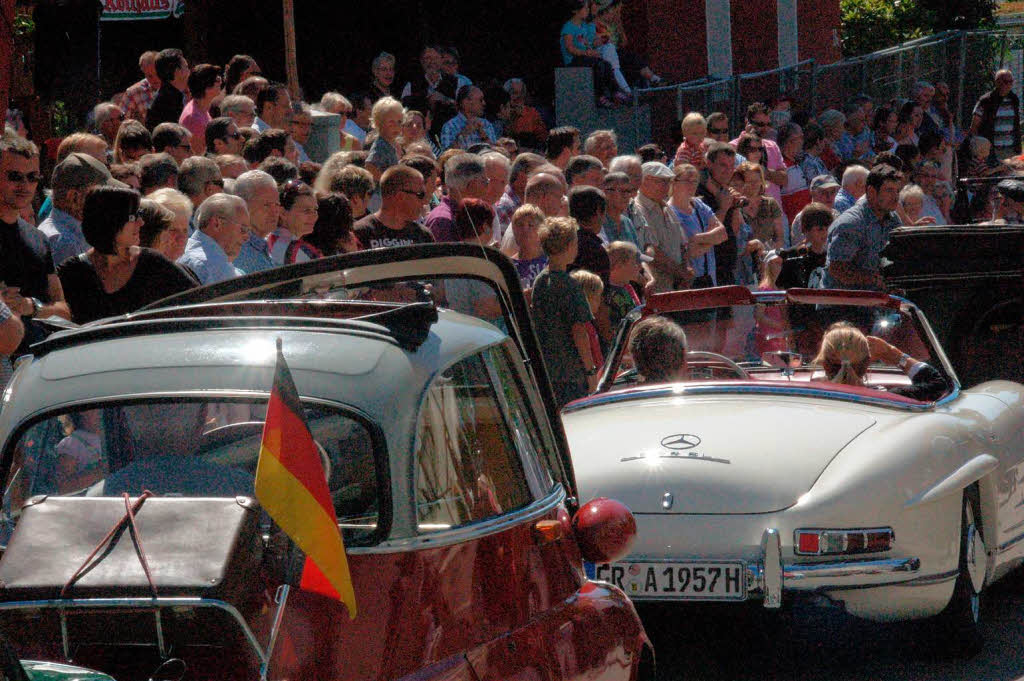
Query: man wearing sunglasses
[
  {"x": 402, "y": 192},
  {"x": 30, "y": 285},
  {"x": 108, "y": 120},
  {"x": 222, "y": 137}
]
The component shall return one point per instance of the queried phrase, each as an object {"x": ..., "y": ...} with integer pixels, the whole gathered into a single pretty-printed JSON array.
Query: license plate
[{"x": 696, "y": 580}]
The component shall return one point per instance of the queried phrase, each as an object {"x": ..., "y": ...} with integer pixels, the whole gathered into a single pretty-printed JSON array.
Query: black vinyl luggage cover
[{"x": 195, "y": 547}]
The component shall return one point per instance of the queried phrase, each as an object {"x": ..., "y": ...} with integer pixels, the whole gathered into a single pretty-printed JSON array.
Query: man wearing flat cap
[
  {"x": 72, "y": 179},
  {"x": 1010, "y": 203},
  {"x": 662, "y": 238}
]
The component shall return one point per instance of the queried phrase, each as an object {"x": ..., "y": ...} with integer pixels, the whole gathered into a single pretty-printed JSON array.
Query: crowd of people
[{"x": 198, "y": 174}]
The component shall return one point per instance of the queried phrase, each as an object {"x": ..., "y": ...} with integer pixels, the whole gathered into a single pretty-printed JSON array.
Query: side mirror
[{"x": 605, "y": 530}]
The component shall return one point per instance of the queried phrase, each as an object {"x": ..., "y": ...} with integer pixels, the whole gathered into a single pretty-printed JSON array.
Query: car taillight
[{"x": 843, "y": 542}]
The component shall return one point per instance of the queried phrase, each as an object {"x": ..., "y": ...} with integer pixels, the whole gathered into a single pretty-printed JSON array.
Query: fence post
[
  {"x": 1002, "y": 50},
  {"x": 943, "y": 58},
  {"x": 960, "y": 81},
  {"x": 679, "y": 103},
  {"x": 636, "y": 117},
  {"x": 735, "y": 116},
  {"x": 813, "y": 87}
]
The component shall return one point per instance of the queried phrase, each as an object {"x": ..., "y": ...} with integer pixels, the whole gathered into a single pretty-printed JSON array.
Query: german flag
[{"x": 290, "y": 485}]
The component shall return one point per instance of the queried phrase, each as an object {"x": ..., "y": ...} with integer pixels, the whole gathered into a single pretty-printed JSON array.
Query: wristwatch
[
  {"x": 905, "y": 361},
  {"x": 36, "y": 305}
]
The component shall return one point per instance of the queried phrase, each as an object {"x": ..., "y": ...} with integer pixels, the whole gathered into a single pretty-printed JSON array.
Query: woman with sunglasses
[
  {"x": 750, "y": 146},
  {"x": 205, "y": 85},
  {"x": 299, "y": 212},
  {"x": 115, "y": 276}
]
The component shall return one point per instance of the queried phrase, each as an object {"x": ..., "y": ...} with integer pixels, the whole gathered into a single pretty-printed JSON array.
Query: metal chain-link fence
[{"x": 964, "y": 60}]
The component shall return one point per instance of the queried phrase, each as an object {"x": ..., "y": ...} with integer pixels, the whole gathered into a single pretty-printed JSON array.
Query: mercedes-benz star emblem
[{"x": 680, "y": 442}]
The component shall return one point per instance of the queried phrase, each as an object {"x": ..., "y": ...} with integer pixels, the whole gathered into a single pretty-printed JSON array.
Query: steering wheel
[{"x": 704, "y": 354}]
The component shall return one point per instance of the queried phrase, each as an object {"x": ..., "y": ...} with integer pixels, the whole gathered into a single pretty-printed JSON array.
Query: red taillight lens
[
  {"x": 808, "y": 543},
  {"x": 843, "y": 542}
]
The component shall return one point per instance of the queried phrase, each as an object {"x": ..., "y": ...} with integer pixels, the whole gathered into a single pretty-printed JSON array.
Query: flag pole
[{"x": 281, "y": 598}]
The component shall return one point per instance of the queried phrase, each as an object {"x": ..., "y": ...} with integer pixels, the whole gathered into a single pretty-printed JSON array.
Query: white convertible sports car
[{"x": 758, "y": 479}]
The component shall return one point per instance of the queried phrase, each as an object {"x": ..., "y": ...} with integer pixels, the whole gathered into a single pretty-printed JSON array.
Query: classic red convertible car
[{"x": 445, "y": 461}]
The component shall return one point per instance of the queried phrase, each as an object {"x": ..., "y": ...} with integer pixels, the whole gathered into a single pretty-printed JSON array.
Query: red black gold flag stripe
[{"x": 290, "y": 485}]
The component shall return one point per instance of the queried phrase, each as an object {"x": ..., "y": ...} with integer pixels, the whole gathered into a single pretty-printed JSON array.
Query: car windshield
[
  {"x": 778, "y": 339},
  {"x": 184, "y": 447}
]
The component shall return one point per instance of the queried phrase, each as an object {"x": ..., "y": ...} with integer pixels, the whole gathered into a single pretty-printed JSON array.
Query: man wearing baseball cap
[
  {"x": 662, "y": 238},
  {"x": 72, "y": 179},
  {"x": 823, "y": 190}
]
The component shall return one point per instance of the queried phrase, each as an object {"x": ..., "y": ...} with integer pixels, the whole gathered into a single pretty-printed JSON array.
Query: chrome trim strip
[
  {"x": 796, "y": 572},
  {"x": 1007, "y": 545},
  {"x": 773, "y": 574},
  {"x": 681, "y": 389},
  {"x": 64, "y": 604},
  {"x": 468, "y": 532}
]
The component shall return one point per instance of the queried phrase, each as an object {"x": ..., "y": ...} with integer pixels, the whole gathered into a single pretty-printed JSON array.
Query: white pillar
[
  {"x": 789, "y": 45},
  {"x": 718, "y": 22}
]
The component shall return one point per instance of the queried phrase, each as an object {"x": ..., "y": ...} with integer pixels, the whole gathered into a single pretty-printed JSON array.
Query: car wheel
[{"x": 959, "y": 630}]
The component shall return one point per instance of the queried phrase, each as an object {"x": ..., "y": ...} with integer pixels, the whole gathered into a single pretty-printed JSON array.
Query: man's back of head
[
  {"x": 199, "y": 177},
  {"x": 560, "y": 140},
  {"x": 464, "y": 175},
  {"x": 156, "y": 171},
  {"x": 166, "y": 64},
  {"x": 584, "y": 169}
]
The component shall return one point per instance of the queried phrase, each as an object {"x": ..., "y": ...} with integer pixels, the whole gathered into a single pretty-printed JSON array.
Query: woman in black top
[{"x": 115, "y": 276}]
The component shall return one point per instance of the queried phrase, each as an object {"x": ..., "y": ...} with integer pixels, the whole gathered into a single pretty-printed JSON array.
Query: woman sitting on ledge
[{"x": 846, "y": 354}]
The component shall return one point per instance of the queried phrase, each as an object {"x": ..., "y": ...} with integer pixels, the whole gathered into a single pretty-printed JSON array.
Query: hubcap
[{"x": 976, "y": 559}]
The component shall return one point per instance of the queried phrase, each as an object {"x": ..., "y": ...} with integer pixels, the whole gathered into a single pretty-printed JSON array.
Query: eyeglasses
[
  {"x": 418, "y": 194},
  {"x": 219, "y": 183},
  {"x": 16, "y": 177},
  {"x": 718, "y": 131},
  {"x": 187, "y": 146},
  {"x": 761, "y": 124}
]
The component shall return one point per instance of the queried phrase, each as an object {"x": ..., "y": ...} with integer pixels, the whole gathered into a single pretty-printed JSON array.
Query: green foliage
[
  {"x": 63, "y": 119},
  {"x": 24, "y": 26},
  {"x": 870, "y": 25}
]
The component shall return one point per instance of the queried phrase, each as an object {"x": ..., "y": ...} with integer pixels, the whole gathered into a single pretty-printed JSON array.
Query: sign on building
[{"x": 131, "y": 10}]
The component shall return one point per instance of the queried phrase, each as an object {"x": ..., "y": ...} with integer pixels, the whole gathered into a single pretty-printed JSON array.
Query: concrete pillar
[
  {"x": 789, "y": 42},
  {"x": 718, "y": 19}
]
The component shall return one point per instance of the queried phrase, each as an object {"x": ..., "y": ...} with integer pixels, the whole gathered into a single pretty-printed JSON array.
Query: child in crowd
[
  {"x": 619, "y": 296},
  {"x": 593, "y": 289},
  {"x": 587, "y": 206},
  {"x": 560, "y": 314},
  {"x": 530, "y": 260},
  {"x": 693, "y": 147}
]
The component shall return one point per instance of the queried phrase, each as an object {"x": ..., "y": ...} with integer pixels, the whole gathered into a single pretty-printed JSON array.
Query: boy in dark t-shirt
[{"x": 560, "y": 315}]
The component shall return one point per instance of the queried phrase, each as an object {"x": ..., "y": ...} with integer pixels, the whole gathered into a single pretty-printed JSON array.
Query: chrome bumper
[{"x": 771, "y": 575}]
